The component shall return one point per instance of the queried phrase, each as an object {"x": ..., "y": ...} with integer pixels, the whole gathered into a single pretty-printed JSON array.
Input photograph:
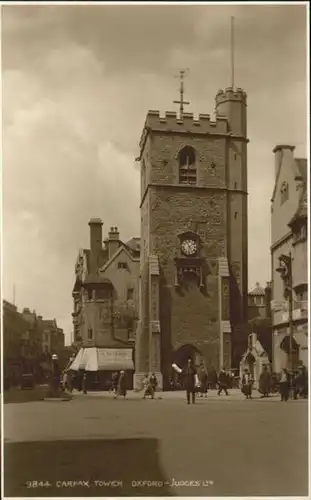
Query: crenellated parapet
[
  {"x": 172, "y": 123},
  {"x": 230, "y": 94}
]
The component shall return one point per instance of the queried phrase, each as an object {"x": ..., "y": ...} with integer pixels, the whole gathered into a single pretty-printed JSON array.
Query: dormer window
[
  {"x": 187, "y": 166},
  {"x": 284, "y": 192}
]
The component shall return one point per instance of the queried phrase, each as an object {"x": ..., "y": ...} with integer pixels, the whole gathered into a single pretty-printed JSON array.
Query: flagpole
[{"x": 232, "y": 52}]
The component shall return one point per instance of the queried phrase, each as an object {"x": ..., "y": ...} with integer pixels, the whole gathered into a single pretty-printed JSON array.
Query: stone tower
[{"x": 193, "y": 268}]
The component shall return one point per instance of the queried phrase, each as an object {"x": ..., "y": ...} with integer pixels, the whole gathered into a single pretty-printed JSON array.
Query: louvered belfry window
[{"x": 187, "y": 166}]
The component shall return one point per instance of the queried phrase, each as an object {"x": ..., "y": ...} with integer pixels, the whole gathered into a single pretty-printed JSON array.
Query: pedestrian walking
[
  {"x": 145, "y": 385},
  {"x": 301, "y": 383},
  {"x": 114, "y": 383},
  {"x": 203, "y": 378},
  {"x": 222, "y": 382},
  {"x": 247, "y": 384},
  {"x": 265, "y": 382},
  {"x": 212, "y": 378},
  {"x": 67, "y": 387},
  {"x": 122, "y": 384},
  {"x": 284, "y": 385},
  {"x": 190, "y": 375},
  {"x": 153, "y": 384}
]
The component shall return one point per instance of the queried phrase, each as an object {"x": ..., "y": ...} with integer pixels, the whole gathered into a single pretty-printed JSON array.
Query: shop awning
[{"x": 96, "y": 358}]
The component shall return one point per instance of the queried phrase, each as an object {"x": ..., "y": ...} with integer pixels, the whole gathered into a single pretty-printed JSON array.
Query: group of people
[
  {"x": 149, "y": 385},
  {"x": 195, "y": 381},
  {"x": 198, "y": 381},
  {"x": 297, "y": 380}
]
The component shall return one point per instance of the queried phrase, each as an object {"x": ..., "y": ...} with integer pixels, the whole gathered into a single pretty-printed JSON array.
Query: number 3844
[{"x": 38, "y": 484}]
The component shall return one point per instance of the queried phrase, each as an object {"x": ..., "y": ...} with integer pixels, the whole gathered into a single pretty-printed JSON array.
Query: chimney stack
[
  {"x": 96, "y": 244},
  {"x": 280, "y": 152},
  {"x": 113, "y": 241}
]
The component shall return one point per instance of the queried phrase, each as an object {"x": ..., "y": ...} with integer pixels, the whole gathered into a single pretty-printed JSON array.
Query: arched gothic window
[{"x": 187, "y": 166}]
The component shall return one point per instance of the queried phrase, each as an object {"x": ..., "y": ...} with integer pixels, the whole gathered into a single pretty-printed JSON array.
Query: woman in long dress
[{"x": 122, "y": 384}]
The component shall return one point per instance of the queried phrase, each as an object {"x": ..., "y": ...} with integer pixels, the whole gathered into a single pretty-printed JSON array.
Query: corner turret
[{"x": 232, "y": 104}]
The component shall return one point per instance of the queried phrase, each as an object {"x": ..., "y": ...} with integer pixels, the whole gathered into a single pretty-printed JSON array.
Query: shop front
[{"x": 100, "y": 363}]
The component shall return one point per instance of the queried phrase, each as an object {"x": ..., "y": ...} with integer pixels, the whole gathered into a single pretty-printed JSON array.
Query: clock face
[{"x": 189, "y": 247}]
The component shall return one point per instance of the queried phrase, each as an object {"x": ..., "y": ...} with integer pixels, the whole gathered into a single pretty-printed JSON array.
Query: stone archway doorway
[
  {"x": 180, "y": 358},
  {"x": 183, "y": 353}
]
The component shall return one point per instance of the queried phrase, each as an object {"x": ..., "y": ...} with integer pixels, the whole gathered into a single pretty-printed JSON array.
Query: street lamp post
[{"x": 285, "y": 271}]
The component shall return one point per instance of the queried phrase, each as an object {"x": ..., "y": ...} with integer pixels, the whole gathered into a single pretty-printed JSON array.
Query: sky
[{"x": 77, "y": 82}]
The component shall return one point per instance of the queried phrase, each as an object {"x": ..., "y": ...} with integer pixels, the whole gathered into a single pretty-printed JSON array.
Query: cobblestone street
[{"x": 220, "y": 446}]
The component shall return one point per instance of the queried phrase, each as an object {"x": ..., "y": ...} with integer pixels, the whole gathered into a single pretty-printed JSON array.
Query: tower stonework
[{"x": 193, "y": 264}]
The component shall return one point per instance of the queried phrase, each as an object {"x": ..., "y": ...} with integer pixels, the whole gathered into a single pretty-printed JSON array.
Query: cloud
[{"x": 77, "y": 82}]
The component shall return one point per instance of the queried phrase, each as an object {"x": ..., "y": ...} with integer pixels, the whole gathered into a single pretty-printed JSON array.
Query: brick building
[
  {"x": 289, "y": 222},
  {"x": 105, "y": 296},
  {"x": 193, "y": 263}
]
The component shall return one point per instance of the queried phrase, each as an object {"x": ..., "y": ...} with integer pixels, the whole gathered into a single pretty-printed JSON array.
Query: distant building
[
  {"x": 289, "y": 222},
  {"x": 24, "y": 343},
  {"x": 52, "y": 337},
  {"x": 257, "y": 302},
  {"x": 105, "y": 296}
]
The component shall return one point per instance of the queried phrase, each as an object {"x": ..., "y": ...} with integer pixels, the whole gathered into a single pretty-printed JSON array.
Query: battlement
[
  {"x": 170, "y": 122},
  {"x": 229, "y": 94}
]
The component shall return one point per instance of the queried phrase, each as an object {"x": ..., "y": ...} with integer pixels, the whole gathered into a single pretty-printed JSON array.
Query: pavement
[{"x": 95, "y": 445}]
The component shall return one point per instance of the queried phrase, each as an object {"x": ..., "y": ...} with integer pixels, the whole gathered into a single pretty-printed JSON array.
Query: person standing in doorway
[
  {"x": 189, "y": 381},
  {"x": 222, "y": 382},
  {"x": 284, "y": 385}
]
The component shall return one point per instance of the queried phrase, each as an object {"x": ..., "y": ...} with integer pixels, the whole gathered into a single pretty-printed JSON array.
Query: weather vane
[{"x": 181, "y": 102}]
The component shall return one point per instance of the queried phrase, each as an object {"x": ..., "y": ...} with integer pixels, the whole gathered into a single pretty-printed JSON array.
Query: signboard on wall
[{"x": 115, "y": 359}]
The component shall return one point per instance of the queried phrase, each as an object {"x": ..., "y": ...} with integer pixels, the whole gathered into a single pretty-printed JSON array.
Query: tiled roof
[{"x": 257, "y": 291}]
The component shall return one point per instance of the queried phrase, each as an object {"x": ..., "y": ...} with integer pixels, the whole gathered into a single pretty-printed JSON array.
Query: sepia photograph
[{"x": 154, "y": 249}]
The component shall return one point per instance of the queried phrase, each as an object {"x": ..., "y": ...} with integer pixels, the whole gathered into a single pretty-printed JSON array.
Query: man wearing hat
[{"x": 189, "y": 380}]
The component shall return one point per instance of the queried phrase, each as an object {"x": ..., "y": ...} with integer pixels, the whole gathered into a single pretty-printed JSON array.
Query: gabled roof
[
  {"x": 300, "y": 169},
  {"x": 122, "y": 248}
]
